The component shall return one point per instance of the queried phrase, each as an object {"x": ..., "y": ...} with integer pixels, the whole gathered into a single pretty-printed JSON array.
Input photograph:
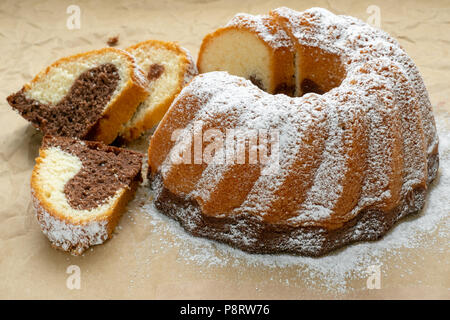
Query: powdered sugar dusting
[
  {"x": 357, "y": 42},
  {"x": 75, "y": 238},
  {"x": 333, "y": 272},
  {"x": 270, "y": 32}
]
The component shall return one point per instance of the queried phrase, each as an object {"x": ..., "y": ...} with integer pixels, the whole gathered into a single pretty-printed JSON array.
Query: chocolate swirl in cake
[
  {"x": 104, "y": 170},
  {"x": 78, "y": 112},
  {"x": 155, "y": 71}
]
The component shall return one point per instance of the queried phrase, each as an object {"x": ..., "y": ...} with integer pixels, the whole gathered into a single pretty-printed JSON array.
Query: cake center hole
[
  {"x": 257, "y": 82},
  {"x": 309, "y": 86},
  {"x": 306, "y": 86}
]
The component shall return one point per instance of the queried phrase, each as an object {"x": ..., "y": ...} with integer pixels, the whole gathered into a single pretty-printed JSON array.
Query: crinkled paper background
[{"x": 149, "y": 257}]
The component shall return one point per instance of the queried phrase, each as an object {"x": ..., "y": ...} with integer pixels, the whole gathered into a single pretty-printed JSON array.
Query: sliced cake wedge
[
  {"x": 80, "y": 189},
  {"x": 169, "y": 67},
  {"x": 87, "y": 96}
]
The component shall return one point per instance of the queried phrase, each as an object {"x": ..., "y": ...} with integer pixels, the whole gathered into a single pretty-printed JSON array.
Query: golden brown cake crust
[{"x": 120, "y": 111}]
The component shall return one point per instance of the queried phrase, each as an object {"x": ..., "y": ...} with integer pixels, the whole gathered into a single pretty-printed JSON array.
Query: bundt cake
[
  {"x": 80, "y": 190},
  {"x": 169, "y": 67},
  {"x": 87, "y": 96},
  {"x": 342, "y": 162}
]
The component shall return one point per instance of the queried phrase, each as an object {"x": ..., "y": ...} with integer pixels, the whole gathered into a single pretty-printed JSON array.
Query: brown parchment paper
[{"x": 141, "y": 260}]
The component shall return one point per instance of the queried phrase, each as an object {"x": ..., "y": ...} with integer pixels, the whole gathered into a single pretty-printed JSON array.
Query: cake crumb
[{"x": 113, "y": 41}]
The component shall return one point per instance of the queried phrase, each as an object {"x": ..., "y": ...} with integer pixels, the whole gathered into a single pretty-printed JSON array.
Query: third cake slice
[
  {"x": 80, "y": 189},
  {"x": 168, "y": 67}
]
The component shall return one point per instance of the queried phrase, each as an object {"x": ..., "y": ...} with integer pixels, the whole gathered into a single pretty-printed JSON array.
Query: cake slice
[
  {"x": 168, "y": 67},
  {"x": 80, "y": 190},
  {"x": 86, "y": 96}
]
